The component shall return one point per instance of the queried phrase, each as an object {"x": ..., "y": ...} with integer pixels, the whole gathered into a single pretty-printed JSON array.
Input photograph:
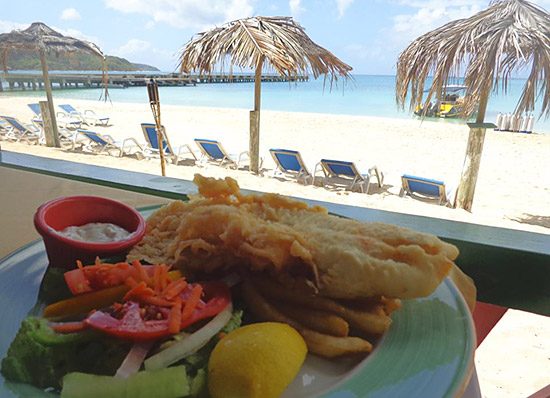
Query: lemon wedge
[{"x": 255, "y": 361}]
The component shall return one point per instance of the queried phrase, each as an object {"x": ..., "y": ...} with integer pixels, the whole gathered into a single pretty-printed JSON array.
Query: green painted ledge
[{"x": 510, "y": 268}]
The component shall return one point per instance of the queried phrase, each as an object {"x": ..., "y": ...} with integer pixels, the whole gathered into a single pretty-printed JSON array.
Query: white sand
[{"x": 513, "y": 189}]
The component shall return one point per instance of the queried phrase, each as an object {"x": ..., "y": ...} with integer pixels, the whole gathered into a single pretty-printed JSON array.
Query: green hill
[{"x": 28, "y": 60}]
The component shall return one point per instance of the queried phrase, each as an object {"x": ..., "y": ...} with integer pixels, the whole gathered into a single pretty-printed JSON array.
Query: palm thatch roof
[
  {"x": 40, "y": 37},
  {"x": 283, "y": 42},
  {"x": 487, "y": 49}
]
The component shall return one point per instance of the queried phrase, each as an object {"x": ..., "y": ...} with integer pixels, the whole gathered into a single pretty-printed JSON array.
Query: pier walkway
[{"x": 34, "y": 81}]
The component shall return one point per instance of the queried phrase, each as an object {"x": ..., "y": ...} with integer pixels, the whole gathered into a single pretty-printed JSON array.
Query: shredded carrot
[
  {"x": 141, "y": 272},
  {"x": 139, "y": 291},
  {"x": 171, "y": 286},
  {"x": 156, "y": 278},
  {"x": 156, "y": 301},
  {"x": 192, "y": 302},
  {"x": 130, "y": 281},
  {"x": 163, "y": 275},
  {"x": 222, "y": 335},
  {"x": 174, "y": 320},
  {"x": 174, "y": 289},
  {"x": 79, "y": 264}
]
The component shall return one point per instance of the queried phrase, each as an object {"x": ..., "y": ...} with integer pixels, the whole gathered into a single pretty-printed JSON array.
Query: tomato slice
[
  {"x": 136, "y": 321},
  {"x": 102, "y": 276}
]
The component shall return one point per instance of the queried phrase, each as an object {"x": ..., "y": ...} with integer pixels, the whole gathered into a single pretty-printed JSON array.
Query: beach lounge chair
[
  {"x": 425, "y": 188},
  {"x": 89, "y": 117},
  {"x": 290, "y": 164},
  {"x": 61, "y": 118},
  {"x": 213, "y": 151},
  {"x": 98, "y": 143},
  {"x": 152, "y": 146},
  {"x": 67, "y": 138},
  {"x": 18, "y": 131},
  {"x": 343, "y": 173}
]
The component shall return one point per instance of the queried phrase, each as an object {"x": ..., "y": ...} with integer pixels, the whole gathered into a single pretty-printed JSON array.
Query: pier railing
[{"x": 32, "y": 81}]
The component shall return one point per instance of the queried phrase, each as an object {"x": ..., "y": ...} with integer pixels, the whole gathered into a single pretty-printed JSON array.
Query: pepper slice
[{"x": 133, "y": 320}]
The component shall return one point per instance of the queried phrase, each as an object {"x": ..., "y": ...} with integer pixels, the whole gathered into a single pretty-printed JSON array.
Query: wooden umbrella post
[
  {"x": 254, "y": 145},
  {"x": 152, "y": 90},
  {"x": 472, "y": 161},
  {"x": 50, "y": 129}
]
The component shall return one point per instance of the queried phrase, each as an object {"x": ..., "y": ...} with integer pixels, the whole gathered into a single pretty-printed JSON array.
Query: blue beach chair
[
  {"x": 344, "y": 173},
  {"x": 425, "y": 188},
  {"x": 88, "y": 117},
  {"x": 62, "y": 120},
  {"x": 152, "y": 147},
  {"x": 98, "y": 143},
  {"x": 16, "y": 130},
  {"x": 213, "y": 151},
  {"x": 290, "y": 164}
]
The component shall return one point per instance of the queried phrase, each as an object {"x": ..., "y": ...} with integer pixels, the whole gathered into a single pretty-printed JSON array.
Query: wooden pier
[{"x": 32, "y": 81}]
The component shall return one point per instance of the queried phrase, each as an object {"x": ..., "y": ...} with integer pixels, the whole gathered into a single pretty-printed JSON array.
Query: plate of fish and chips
[{"x": 419, "y": 342}]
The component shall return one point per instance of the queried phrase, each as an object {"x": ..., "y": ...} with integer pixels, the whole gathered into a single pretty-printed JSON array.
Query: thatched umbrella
[
  {"x": 251, "y": 41},
  {"x": 487, "y": 49},
  {"x": 42, "y": 39}
]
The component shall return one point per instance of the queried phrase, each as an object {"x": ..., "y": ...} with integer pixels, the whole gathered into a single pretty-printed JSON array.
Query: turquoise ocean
[{"x": 366, "y": 95}]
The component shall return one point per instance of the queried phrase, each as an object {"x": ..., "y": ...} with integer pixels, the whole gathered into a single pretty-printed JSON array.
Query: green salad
[{"x": 122, "y": 330}]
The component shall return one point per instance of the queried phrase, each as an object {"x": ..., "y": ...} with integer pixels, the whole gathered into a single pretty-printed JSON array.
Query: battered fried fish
[{"x": 341, "y": 258}]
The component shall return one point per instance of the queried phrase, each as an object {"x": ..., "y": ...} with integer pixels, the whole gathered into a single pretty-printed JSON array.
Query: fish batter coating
[{"x": 339, "y": 257}]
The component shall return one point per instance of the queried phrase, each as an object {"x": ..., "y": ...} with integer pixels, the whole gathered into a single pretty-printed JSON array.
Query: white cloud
[
  {"x": 78, "y": 35},
  {"x": 342, "y": 6},
  {"x": 150, "y": 25},
  {"x": 8, "y": 26},
  {"x": 296, "y": 8},
  {"x": 70, "y": 14},
  {"x": 190, "y": 14},
  {"x": 132, "y": 47},
  {"x": 142, "y": 51}
]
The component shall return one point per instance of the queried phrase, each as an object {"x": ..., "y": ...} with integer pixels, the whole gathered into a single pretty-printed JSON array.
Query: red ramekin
[{"x": 58, "y": 214}]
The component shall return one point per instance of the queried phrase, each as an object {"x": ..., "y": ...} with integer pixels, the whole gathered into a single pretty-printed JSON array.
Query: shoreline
[{"x": 513, "y": 186}]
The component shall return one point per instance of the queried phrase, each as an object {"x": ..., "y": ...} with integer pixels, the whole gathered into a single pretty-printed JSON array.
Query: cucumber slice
[
  {"x": 166, "y": 383},
  {"x": 84, "y": 385}
]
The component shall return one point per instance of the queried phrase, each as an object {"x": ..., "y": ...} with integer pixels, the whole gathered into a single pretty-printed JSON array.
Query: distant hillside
[
  {"x": 28, "y": 60},
  {"x": 145, "y": 67}
]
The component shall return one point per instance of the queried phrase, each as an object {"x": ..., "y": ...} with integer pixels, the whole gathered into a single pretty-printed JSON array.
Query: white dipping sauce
[{"x": 95, "y": 232}]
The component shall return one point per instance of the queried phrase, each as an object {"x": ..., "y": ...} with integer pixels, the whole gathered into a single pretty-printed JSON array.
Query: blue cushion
[
  {"x": 340, "y": 167},
  {"x": 424, "y": 186},
  {"x": 151, "y": 131},
  {"x": 94, "y": 137},
  {"x": 212, "y": 148},
  {"x": 287, "y": 159}
]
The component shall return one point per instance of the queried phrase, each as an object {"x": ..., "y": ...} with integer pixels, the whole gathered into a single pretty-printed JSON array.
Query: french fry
[
  {"x": 375, "y": 322},
  {"x": 317, "y": 343},
  {"x": 319, "y": 321}
]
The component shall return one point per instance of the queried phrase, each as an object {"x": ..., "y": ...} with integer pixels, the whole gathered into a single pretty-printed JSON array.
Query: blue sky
[{"x": 366, "y": 34}]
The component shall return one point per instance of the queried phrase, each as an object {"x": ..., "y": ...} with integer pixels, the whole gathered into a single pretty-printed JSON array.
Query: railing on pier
[{"x": 32, "y": 81}]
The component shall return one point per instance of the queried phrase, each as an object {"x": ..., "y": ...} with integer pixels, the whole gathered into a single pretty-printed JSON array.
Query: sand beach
[{"x": 513, "y": 189}]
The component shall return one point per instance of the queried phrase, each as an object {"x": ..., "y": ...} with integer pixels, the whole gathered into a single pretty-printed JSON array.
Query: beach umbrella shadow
[
  {"x": 483, "y": 52},
  {"x": 42, "y": 39},
  {"x": 252, "y": 42}
]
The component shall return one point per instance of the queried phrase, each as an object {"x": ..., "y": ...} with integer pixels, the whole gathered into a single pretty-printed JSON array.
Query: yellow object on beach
[{"x": 255, "y": 361}]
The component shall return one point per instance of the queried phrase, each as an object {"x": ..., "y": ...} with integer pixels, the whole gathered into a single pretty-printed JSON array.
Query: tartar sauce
[{"x": 95, "y": 232}]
